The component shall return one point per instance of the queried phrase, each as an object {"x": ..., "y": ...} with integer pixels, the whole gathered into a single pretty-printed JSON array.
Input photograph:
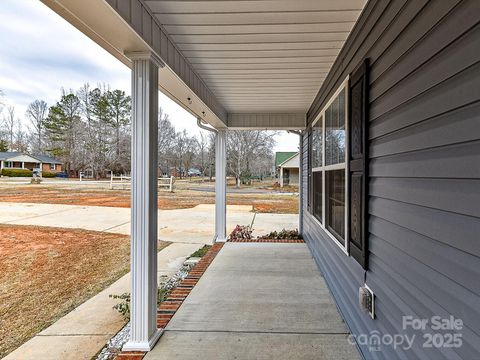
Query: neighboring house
[
  {"x": 281, "y": 157},
  {"x": 18, "y": 160},
  {"x": 289, "y": 171},
  {"x": 49, "y": 163},
  {"x": 387, "y": 96}
]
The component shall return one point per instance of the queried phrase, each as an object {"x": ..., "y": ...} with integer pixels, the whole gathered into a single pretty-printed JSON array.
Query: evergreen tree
[
  {"x": 60, "y": 124},
  {"x": 119, "y": 107}
]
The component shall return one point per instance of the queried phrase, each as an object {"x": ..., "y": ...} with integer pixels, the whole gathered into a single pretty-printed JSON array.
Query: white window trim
[
  {"x": 53, "y": 166},
  {"x": 344, "y": 165}
]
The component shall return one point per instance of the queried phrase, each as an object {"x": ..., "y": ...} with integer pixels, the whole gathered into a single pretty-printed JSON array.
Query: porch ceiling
[
  {"x": 260, "y": 56},
  {"x": 241, "y": 64}
]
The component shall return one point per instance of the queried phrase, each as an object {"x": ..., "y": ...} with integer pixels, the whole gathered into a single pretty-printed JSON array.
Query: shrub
[
  {"x": 17, "y": 172},
  {"x": 124, "y": 306},
  {"x": 241, "y": 232},
  {"x": 48, "y": 174},
  {"x": 201, "y": 252},
  {"x": 283, "y": 235}
]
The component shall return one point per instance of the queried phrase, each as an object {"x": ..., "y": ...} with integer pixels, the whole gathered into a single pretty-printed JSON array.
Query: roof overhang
[
  {"x": 23, "y": 158},
  {"x": 244, "y": 64},
  {"x": 291, "y": 164}
]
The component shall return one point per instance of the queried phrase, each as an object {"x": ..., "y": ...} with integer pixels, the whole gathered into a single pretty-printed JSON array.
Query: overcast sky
[{"x": 40, "y": 53}]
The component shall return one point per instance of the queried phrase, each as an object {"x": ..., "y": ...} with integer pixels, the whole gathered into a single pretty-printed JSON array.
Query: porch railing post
[
  {"x": 144, "y": 211},
  {"x": 220, "y": 186}
]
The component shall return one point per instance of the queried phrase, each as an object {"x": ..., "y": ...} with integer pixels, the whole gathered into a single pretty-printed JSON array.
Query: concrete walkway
[
  {"x": 180, "y": 226},
  {"x": 257, "y": 301},
  {"x": 83, "y": 332}
]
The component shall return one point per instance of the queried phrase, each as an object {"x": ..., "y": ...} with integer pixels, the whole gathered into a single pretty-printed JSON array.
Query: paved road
[{"x": 194, "y": 225}]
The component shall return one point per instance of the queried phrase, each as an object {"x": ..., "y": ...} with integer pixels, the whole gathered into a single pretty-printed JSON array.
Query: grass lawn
[
  {"x": 46, "y": 272},
  {"x": 182, "y": 198}
]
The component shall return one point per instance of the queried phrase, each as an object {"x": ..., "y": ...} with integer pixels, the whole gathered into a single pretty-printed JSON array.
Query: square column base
[
  {"x": 220, "y": 240},
  {"x": 143, "y": 346}
]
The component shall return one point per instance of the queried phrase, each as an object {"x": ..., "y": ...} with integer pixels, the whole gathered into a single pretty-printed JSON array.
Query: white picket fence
[
  {"x": 166, "y": 182},
  {"x": 124, "y": 181}
]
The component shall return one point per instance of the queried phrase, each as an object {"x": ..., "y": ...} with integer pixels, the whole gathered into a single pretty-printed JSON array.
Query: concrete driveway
[{"x": 194, "y": 225}]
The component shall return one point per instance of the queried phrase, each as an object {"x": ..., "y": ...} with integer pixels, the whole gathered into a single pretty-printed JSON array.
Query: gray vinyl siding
[{"x": 424, "y": 164}]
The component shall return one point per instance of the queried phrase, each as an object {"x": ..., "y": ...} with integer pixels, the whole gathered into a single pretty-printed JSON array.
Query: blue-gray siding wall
[{"x": 424, "y": 201}]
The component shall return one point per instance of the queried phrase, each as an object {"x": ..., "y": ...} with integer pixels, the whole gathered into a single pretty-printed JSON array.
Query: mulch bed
[{"x": 287, "y": 241}]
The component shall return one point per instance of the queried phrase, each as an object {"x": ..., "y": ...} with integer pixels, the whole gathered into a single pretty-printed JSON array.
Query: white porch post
[
  {"x": 220, "y": 186},
  {"x": 143, "y": 310},
  {"x": 281, "y": 176}
]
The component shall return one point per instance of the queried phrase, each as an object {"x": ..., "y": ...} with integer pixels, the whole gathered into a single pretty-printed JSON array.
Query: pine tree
[{"x": 60, "y": 125}]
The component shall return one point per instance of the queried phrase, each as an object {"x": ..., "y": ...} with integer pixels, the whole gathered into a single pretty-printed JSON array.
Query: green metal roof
[{"x": 281, "y": 156}]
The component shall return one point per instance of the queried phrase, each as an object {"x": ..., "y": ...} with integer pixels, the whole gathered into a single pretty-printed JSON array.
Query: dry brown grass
[
  {"x": 47, "y": 272},
  {"x": 182, "y": 198}
]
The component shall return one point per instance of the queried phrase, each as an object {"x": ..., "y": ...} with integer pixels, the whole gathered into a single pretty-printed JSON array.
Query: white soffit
[{"x": 260, "y": 55}]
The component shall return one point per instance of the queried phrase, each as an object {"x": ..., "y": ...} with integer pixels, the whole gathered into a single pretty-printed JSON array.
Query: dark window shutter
[{"x": 358, "y": 164}]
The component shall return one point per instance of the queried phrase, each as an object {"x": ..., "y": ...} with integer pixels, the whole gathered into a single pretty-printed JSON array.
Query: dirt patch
[
  {"x": 180, "y": 199},
  {"x": 47, "y": 272}
]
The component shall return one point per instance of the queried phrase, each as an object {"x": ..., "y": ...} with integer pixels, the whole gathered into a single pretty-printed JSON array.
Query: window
[
  {"x": 8, "y": 164},
  {"x": 329, "y": 168},
  {"x": 52, "y": 166}
]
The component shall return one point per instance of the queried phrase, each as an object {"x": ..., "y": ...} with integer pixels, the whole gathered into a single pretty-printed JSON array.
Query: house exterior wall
[
  {"x": 292, "y": 163},
  {"x": 46, "y": 167},
  {"x": 424, "y": 151},
  {"x": 292, "y": 176},
  {"x": 31, "y": 165}
]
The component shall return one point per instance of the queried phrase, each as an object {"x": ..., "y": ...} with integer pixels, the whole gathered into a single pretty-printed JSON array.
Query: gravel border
[{"x": 115, "y": 344}]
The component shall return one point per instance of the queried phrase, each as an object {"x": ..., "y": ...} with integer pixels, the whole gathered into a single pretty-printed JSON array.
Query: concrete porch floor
[{"x": 257, "y": 301}]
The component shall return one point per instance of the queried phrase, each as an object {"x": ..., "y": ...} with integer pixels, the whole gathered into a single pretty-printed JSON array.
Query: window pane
[
  {"x": 317, "y": 195},
  {"x": 317, "y": 143},
  {"x": 335, "y": 203},
  {"x": 335, "y": 131}
]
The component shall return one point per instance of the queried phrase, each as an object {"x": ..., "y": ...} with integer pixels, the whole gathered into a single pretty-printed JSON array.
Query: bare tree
[
  {"x": 37, "y": 113},
  {"x": 202, "y": 145},
  {"x": 211, "y": 154},
  {"x": 2, "y": 102},
  {"x": 184, "y": 151},
  {"x": 21, "y": 140},
  {"x": 9, "y": 123},
  {"x": 246, "y": 146}
]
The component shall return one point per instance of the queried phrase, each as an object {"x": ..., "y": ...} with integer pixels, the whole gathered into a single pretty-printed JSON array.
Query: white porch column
[
  {"x": 220, "y": 186},
  {"x": 144, "y": 333},
  {"x": 281, "y": 176}
]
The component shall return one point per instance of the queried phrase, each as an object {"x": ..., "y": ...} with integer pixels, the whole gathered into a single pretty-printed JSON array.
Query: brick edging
[
  {"x": 286, "y": 241},
  {"x": 172, "y": 303}
]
